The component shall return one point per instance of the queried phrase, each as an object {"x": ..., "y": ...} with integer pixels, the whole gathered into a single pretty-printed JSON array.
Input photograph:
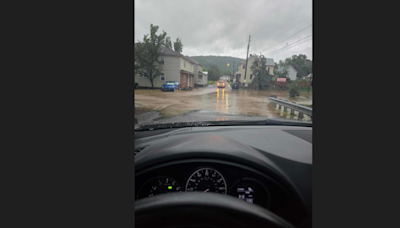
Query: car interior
[{"x": 224, "y": 176}]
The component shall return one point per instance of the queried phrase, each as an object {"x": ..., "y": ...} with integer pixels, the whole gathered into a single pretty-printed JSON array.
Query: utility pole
[
  {"x": 247, "y": 59},
  {"x": 309, "y": 85},
  {"x": 233, "y": 69}
]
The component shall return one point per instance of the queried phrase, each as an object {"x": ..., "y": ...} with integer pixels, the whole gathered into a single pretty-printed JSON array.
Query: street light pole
[
  {"x": 309, "y": 85},
  {"x": 233, "y": 68},
  {"x": 247, "y": 58}
]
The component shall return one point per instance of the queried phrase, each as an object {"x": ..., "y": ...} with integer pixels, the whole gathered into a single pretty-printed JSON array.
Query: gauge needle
[{"x": 206, "y": 190}]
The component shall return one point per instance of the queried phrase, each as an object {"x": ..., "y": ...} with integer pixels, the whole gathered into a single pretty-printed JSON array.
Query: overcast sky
[{"x": 222, "y": 27}]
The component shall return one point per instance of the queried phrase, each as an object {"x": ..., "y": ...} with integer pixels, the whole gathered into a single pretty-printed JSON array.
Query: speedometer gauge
[{"x": 206, "y": 180}]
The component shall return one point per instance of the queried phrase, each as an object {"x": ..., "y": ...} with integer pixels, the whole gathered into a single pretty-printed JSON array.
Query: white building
[
  {"x": 176, "y": 67},
  {"x": 226, "y": 77},
  {"x": 292, "y": 72}
]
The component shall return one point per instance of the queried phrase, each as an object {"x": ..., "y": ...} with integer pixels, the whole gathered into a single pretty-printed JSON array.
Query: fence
[{"x": 304, "y": 84}]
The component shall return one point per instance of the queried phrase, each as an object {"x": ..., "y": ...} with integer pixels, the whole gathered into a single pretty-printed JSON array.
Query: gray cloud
[{"x": 222, "y": 27}]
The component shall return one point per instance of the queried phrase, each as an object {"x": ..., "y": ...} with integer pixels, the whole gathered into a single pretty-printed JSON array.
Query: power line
[
  {"x": 284, "y": 49},
  {"x": 288, "y": 37},
  {"x": 281, "y": 48},
  {"x": 291, "y": 27},
  {"x": 290, "y": 44}
]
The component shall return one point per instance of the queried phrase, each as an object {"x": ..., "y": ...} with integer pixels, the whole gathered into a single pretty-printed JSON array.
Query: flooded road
[{"x": 211, "y": 103}]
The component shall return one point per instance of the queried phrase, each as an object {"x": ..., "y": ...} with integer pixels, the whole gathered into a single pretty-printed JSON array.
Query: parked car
[
  {"x": 221, "y": 84},
  {"x": 235, "y": 85},
  {"x": 171, "y": 86}
]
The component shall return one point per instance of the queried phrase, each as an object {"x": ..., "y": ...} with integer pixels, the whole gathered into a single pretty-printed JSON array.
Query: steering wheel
[{"x": 199, "y": 209}]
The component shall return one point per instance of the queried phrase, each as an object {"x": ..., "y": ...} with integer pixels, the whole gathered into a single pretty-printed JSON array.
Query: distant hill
[{"x": 220, "y": 61}]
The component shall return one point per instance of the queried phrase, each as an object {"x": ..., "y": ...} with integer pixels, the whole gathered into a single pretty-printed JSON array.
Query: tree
[
  {"x": 178, "y": 45},
  {"x": 147, "y": 55},
  {"x": 261, "y": 77},
  {"x": 300, "y": 63},
  {"x": 168, "y": 42},
  {"x": 214, "y": 73},
  {"x": 283, "y": 72},
  {"x": 227, "y": 72},
  {"x": 294, "y": 89}
]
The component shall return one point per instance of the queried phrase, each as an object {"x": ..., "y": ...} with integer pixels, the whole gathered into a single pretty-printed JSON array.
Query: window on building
[
  {"x": 251, "y": 76},
  {"x": 184, "y": 78},
  {"x": 162, "y": 77},
  {"x": 184, "y": 63},
  {"x": 162, "y": 59}
]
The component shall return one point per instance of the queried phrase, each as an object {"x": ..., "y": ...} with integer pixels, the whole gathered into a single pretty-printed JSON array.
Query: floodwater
[{"x": 224, "y": 103}]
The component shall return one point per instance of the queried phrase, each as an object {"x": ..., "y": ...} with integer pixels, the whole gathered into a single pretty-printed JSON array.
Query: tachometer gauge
[
  {"x": 158, "y": 185},
  {"x": 206, "y": 180}
]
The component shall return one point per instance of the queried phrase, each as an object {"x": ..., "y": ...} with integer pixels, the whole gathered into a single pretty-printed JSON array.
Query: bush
[
  {"x": 288, "y": 80},
  {"x": 294, "y": 90}
]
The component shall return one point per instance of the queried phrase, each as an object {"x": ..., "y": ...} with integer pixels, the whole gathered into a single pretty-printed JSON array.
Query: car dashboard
[{"x": 230, "y": 161}]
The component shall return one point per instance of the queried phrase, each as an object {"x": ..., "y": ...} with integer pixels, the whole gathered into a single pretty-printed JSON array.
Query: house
[
  {"x": 201, "y": 77},
  {"x": 307, "y": 77},
  {"x": 176, "y": 67},
  {"x": 292, "y": 72},
  {"x": 226, "y": 77},
  {"x": 240, "y": 74}
]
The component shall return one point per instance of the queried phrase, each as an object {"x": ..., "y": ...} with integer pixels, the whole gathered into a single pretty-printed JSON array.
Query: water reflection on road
[{"x": 224, "y": 101}]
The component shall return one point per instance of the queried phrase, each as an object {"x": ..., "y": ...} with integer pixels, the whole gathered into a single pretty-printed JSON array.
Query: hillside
[{"x": 220, "y": 61}]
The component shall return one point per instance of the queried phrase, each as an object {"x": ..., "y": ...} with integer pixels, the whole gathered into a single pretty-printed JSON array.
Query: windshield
[{"x": 229, "y": 61}]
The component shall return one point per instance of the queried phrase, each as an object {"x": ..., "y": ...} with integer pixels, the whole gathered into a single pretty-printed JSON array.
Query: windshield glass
[{"x": 229, "y": 60}]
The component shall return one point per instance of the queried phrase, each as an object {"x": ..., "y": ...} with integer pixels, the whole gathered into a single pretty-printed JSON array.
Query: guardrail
[{"x": 293, "y": 107}]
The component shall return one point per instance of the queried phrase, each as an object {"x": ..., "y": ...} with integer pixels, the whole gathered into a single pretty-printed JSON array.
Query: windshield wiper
[
  {"x": 171, "y": 125},
  {"x": 224, "y": 123},
  {"x": 261, "y": 122}
]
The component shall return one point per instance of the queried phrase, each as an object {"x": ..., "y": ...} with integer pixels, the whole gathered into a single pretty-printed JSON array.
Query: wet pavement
[{"x": 211, "y": 104}]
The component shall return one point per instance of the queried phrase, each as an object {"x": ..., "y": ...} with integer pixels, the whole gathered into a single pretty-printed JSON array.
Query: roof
[
  {"x": 169, "y": 51},
  {"x": 189, "y": 59},
  {"x": 270, "y": 62},
  {"x": 187, "y": 72}
]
